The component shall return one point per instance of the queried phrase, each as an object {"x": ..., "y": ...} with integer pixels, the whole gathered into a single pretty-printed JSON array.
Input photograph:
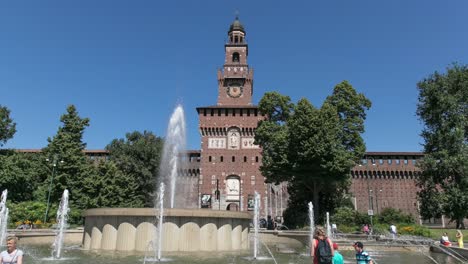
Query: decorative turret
[
  {"x": 235, "y": 80},
  {"x": 236, "y": 32}
]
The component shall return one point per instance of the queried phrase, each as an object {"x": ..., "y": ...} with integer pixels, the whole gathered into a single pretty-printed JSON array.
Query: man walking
[{"x": 362, "y": 257}]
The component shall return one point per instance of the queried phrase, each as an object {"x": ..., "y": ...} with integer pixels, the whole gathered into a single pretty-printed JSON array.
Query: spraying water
[
  {"x": 174, "y": 145},
  {"x": 312, "y": 224},
  {"x": 62, "y": 216},
  {"x": 255, "y": 223},
  {"x": 160, "y": 220},
  {"x": 3, "y": 216},
  {"x": 328, "y": 225}
]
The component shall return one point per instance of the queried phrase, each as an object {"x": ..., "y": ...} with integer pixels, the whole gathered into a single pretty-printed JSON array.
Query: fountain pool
[{"x": 41, "y": 255}]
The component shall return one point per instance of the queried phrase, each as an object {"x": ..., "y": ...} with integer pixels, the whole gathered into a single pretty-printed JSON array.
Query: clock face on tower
[{"x": 235, "y": 91}]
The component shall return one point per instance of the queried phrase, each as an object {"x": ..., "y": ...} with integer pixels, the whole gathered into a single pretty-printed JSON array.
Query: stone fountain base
[{"x": 184, "y": 230}]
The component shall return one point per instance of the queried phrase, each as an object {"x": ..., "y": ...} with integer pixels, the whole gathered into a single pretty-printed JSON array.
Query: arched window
[
  {"x": 236, "y": 39},
  {"x": 235, "y": 57},
  {"x": 222, "y": 158}
]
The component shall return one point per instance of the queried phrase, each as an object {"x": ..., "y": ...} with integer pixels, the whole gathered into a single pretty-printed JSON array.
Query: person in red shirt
[{"x": 322, "y": 248}]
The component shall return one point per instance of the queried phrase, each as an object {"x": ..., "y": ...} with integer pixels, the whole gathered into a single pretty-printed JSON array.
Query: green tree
[
  {"x": 443, "y": 108},
  {"x": 65, "y": 153},
  {"x": 312, "y": 149},
  {"x": 110, "y": 187},
  {"x": 138, "y": 156},
  {"x": 20, "y": 173},
  {"x": 7, "y": 126}
]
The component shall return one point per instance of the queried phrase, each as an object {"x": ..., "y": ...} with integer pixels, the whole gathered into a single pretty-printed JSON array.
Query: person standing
[
  {"x": 459, "y": 237},
  {"x": 322, "y": 248},
  {"x": 365, "y": 229},
  {"x": 337, "y": 257},
  {"x": 362, "y": 257},
  {"x": 11, "y": 255},
  {"x": 393, "y": 231},
  {"x": 334, "y": 230}
]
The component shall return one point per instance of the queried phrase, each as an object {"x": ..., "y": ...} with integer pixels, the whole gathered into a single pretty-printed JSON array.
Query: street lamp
[
  {"x": 377, "y": 200},
  {"x": 54, "y": 165},
  {"x": 371, "y": 209}
]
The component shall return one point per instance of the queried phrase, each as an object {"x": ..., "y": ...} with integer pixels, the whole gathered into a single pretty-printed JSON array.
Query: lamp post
[
  {"x": 54, "y": 165},
  {"x": 371, "y": 210},
  {"x": 377, "y": 200}
]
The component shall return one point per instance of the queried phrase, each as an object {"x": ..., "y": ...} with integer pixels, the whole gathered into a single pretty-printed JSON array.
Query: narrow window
[
  {"x": 256, "y": 159},
  {"x": 233, "y": 112},
  {"x": 225, "y": 112},
  {"x": 255, "y": 112},
  {"x": 241, "y": 112},
  {"x": 245, "y": 159},
  {"x": 233, "y": 159},
  {"x": 219, "y": 112},
  {"x": 236, "y": 39},
  {"x": 248, "y": 112},
  {"x": 235, "y": 57},
  {"x": 212, "y": 112},
  {"x": 209, "y": 158},
  {"x": 221, "y": 158},
  {"x": 204, "y": 112}
]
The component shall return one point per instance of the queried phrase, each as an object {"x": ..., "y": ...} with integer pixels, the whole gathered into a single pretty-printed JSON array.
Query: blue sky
[{"x": 126, "y": 64}]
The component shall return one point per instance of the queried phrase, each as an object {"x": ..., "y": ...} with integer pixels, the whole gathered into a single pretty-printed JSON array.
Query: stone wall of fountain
[{"x": 133, "y": 229}]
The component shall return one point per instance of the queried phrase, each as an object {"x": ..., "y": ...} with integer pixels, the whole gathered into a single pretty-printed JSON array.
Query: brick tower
[{"x": 229, "y": 169}]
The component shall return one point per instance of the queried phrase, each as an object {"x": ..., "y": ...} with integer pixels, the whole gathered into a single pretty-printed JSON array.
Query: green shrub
[
  {"x": 393, "y": 216},
  {"x": 34, "y": 212},
  {"x": 344, "y": 216},
  {"x": 414, "y": 230}
]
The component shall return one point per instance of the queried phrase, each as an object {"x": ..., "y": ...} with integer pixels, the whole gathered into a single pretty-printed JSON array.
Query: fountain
[
  {"x": 255, "y": 223},
  {"x": 174, "y": 146},
  {"x": 3, "y": 217},
  {"x": 160, "y": 220},
  {"x": 62, "y": 216},
  {"x": 193, "y": 230},
  {"x": 312, "y": 225},
  {"x": 328, "y": 225}
]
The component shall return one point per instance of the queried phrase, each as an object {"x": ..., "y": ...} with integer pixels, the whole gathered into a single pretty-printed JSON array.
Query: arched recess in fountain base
[{"x": 184, "y": 230}]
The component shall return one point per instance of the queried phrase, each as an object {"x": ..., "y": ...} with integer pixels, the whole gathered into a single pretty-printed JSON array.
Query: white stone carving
[
  {"x": 216, "y": 143},
  {"x": 233, "y": 139},
  {"x": 248, "y": 143}
]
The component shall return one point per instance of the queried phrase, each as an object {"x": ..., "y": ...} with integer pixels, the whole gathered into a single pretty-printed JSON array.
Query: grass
[{"x": 437, "y": 234}]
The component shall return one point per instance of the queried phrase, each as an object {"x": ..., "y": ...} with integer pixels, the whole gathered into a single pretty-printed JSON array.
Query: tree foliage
[
  {"x": 7, "y": 126},
  {"x": 67, "y": 161},
  {"x": 443, "y": 108},
  {"x": 312, "y": 148},
  {"x": 20, "y": 173},
  {"x": 138, "y": 157},
  {"x": 110, "y": 187}
]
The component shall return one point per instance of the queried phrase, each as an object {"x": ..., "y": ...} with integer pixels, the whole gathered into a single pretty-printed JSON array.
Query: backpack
[{"x": 324, "y": 252}]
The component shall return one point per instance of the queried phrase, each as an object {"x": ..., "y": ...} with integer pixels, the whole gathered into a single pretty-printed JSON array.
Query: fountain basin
[{"x": 184, "y": 230}]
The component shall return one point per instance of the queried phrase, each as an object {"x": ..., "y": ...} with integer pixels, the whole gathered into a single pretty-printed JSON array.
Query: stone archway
[{"x": 232, "y": 207}]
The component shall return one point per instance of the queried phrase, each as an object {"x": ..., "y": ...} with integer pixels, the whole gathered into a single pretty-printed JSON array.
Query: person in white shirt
[
  {"x": 12, "y": 255},
  {"x": 393, "y": 231}
]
